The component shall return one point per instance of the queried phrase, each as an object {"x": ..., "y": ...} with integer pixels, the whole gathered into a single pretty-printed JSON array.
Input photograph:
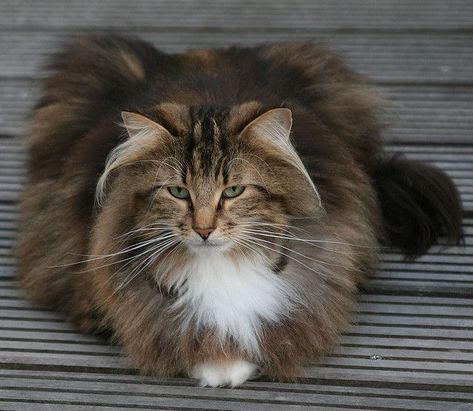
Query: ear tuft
[
  {"x": 275, "y": 124},
  {"x": 283, "y": 116},
  {"x": 272, "y": 131},
  {"x": 137, "y": 124},
  {"x": 145, "y": 135}
]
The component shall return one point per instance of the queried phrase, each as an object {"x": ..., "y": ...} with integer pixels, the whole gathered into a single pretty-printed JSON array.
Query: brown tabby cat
[{"x": 166, "y": 203}]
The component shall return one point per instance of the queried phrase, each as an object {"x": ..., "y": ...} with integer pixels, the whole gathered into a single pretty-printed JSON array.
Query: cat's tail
[{"x": 419, "y": 204}]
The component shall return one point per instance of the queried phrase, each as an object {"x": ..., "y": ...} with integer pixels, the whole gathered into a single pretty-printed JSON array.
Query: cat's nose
[{"x": 204, "y": 232}]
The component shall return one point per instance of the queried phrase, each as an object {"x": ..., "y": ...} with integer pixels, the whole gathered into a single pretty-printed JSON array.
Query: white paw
[{"x": 216, "y": 374}]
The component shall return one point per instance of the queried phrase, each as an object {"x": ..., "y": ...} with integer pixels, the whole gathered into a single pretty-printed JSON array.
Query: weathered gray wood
[
  {"x": 403, "y": 331},
  {"x": 55, "y": 347},
  {"x": 125, "y": 399},
  {"x": 403, "y": 354},
  {"x": 410, "y": 320},
  {"x": 407, "y": 342},
  {"x": 28, "y": 405},
  {"x": 392, "y": 376},
  {"x": 51, "y": 336},
  {"x": 308, "y": 398},
  {"x": 221, "y": 399},
  {"x": 417, "y": 300},
  {"x": 415, "y": 309},
  {"x": 267, "y": 14},
  {"x": 149, "y": 383}
]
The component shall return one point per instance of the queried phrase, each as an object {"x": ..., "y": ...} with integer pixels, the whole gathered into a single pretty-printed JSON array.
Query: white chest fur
[{"x": 232, "y": 297}]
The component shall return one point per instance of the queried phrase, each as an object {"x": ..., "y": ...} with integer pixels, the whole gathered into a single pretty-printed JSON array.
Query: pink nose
[{"x": 204, "y": 232}]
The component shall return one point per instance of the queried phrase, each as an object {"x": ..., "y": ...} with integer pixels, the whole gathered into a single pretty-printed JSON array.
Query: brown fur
[{"x": 219, "y": 92}]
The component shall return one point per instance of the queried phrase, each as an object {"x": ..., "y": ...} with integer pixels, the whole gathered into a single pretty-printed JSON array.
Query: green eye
[
  {"x": 233, "y": 191},
  {"x": 179, "y": 192}
]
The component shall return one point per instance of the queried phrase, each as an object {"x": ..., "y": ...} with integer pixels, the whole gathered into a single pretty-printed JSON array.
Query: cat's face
[
  {"x": 213, "y": 208},
  {"x": 218, "y": 187}
]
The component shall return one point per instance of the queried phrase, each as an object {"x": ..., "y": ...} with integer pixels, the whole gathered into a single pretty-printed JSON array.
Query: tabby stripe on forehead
[
  {"x": 219, "y": 169},
  {"x": 207, "y": 143},
  {"x": 216, "y": 131},
  {"x": 226, "y": 175},
  {"x": 208, "y": 131},
  {"x": 191, "y": 142}
]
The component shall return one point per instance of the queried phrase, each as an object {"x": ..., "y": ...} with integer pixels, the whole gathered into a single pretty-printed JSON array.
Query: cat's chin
[{"x": 210, "y": 247}]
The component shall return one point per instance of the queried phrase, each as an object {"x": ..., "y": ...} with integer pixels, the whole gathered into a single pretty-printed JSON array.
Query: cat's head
[{"x": 208, "y": 179}]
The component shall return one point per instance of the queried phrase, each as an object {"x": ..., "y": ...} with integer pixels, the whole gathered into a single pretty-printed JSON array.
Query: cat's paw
[{"x": 216, "y": 374}]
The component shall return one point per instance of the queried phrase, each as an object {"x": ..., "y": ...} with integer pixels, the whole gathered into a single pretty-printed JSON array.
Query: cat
[{"x": 215, "y": 211}]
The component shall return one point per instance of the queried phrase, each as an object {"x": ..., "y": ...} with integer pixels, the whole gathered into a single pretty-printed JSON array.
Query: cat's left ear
[
  {"x": 274, "y": 125},
  {"x": 144, "y": 135},
  {"x": 138, "y": 126}
]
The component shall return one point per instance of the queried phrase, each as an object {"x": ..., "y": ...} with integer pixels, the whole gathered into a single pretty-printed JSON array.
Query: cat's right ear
[
  {"x": 144, "y": 134},
  {"x": 271, "y": 132}
]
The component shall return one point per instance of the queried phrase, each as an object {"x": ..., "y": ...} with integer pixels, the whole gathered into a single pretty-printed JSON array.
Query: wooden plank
[
  {"x": 28, "y": 405},
  {"x": 422, "y": 149},
  {"x": 149, "y": 383},
  {"x": 58, "y": 347},
  {"x": 127, "y": 400},
  {"x": 417, "y": 300},
  {"x": 312, "y": 396},
  {"x": 373, "y": 366},
  {"x": 66, "y": 337},
  {"x": 403, "y": 354},
  {"x": 409, "y": 321},
  {"x": 109, "y": 383},
  {"x": 402, "y": 365},
  {"x": 406, "y": 342},
  {"x": 411, "y": 332},
  {"x": 416, "y": 309},
  {"x": 392, "y": 376},
  {"x": 297, "y": 15},
  {"x": 418, "y": 287}
]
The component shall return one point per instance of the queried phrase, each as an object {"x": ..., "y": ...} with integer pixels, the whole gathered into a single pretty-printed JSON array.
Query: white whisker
[
  {"x": 271, "y": 234},
  {"x": 252, "y": 225},
  {"x": 145, "y": 263},
  {"x": 255, "y": 242}
]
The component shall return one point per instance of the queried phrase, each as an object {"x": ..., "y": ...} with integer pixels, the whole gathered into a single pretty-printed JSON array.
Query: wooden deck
[{"x": 411, "y": 343}]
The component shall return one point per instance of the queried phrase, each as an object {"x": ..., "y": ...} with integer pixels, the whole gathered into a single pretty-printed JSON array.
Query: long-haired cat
[{"x": 215, "y": 210}]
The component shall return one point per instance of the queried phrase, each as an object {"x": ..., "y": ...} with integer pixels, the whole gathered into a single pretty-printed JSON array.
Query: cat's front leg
[{"x": 227, "y": 373}]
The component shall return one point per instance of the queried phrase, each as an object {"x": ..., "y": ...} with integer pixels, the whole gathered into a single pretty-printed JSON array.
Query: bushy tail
[{"x": 419, "y": 204}]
